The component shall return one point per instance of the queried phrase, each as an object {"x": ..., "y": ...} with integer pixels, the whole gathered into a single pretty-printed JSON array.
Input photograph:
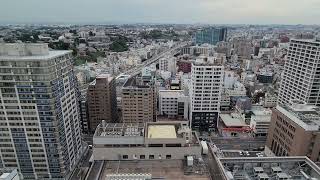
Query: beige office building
[
  {"x": 294, "y": 131},
  {"x": 138, "y": 102},
  {"x": 102, "y": 102}
]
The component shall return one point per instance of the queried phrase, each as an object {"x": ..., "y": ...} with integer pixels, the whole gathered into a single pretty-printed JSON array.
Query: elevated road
[{"x": 136, "y": 70}]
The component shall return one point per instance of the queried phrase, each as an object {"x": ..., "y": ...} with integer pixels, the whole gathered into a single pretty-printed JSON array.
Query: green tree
[{"x": 119, "y": 46}]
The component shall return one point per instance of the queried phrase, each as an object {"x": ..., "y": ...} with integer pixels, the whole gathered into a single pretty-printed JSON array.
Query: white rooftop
[
  {"x": 277, "y": 168},
  {"x": 263, "y": 175},
  {"x": 258, "y": 169},
  {"x": 232, "y": 120},
  {"x": 283, "y": 175},
  {"x": 171, "y": 93}
]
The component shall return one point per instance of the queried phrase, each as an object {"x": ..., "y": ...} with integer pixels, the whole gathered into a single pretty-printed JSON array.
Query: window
[
  {"x": 142, "y": 157},
  {"x": 168, "y": 156},
  {"x": 125, "y": 157},
  {"x": 151, "y": 156}
]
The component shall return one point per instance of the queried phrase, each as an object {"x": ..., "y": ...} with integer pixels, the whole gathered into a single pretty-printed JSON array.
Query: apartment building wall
[
  {"x": 138, "y": 104},
  {"x": 301, "y": 74},
  {"x": 84, "y": 114},
  {"x": 39, "y": 111},
  {"x": 287, "y": 138},
  {"x": 102, "y": 101},
  {"x": 205, "y": 95},
  {"x": 173, "y": 103},
  {"x": 168, "y": 64}
]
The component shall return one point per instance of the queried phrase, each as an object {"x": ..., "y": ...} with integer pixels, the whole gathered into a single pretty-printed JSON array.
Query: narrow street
[{"x": 212, "y": 166}]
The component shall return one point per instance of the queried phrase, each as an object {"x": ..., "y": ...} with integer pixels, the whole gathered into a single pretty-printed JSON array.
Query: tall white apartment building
[
  {"x": 205, "y": 93},
  {"x": 301, "y": 75},
  {"x": 40, "y": 133}
]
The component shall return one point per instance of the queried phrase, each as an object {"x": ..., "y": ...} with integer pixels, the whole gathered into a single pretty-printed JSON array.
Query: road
[
  {"x": 136, "y": 70},
  {"x": 82, "y": 167},
  {"x": 213, "y": 166},
  {"x": 249, "y": 143}
]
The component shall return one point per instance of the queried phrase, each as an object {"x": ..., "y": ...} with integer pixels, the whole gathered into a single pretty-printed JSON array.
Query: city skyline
[{"x": 177, "y": 12}]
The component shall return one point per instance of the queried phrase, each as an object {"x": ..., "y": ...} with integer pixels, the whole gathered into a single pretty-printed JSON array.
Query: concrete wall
[
  {"x": 118, "y": 140},
  {"x": 117, "y": 153}
]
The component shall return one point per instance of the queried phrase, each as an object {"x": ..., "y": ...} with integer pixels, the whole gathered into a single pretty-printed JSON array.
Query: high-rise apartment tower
[
  {"x": 205, "y": 93},
  {"x": 39, "y": 112},
  {"x": 301, "y": 75}
]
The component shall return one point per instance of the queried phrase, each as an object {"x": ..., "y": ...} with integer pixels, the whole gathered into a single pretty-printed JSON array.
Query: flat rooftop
[
  {"x": 50, "y": 55},
  {"x": 102, "y": 76},
  {"x": 171, "y": 93},
  {"x": 135, "y": 83},
  {"x": 167, "y": 169},
  {"x": 232, "y": 120},
  {"x": 261, "y": 111},
  {"x": 306, "y": 116},
  {"x": 162, "y": 131},
  {"x": 294, "y": 167},
  {"x": 313, "y": 41}
]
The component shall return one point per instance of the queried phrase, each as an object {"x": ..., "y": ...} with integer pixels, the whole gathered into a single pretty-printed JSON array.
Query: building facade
[
  {"x": 211, "y": 36},
  {"x": 205, "y": 94},
  {"x": 301, "y": 74},
  {"x": 294, "y": 131},
  {"x": 102, "y": 101},
  {"x": 242, "y": 48},
  {"x": 139, "y": 102},
  {"x": 184, "y": 66},
  {"x": 84, "y": 115},
  {"x": 39, "y": 111},
  {"x": 146, "y": 141},
  {"x": 174, "y": 104},
  {"x": 168, "y": 64}
]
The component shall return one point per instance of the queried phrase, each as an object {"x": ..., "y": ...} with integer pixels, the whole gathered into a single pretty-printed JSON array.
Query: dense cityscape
[{"x": 159, "y": 101}]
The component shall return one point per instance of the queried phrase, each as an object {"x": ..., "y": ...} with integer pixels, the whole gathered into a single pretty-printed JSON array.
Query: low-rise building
[
  {"x": 238, "y": 90},
  {"x": 173, "y": 103},
  {"x": 260, "y": 120},
  {"x": 270, "y": 100},
  {"x": 233, "y": 125},
  {"x": 145, "y": 141}
]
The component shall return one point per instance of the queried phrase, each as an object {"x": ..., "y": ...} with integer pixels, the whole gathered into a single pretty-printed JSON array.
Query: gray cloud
[{"x": 162, "y": 11}]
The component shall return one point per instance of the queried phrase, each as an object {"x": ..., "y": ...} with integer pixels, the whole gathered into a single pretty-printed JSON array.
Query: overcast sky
[{"x": 161, "y": 11}]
